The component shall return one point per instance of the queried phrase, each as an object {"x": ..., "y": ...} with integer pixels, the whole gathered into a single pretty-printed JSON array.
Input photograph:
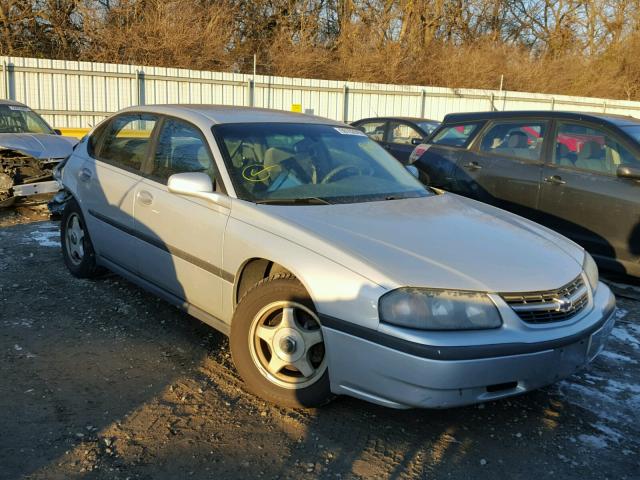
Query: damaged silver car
[{"x": 29, "y": 151}]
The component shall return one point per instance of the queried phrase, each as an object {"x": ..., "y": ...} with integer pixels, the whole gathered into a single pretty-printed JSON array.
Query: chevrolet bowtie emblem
[{"x": 563, "y": 304}]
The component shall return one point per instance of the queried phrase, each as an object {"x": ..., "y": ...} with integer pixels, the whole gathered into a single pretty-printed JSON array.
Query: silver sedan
[{"x": 333, "y": 270}]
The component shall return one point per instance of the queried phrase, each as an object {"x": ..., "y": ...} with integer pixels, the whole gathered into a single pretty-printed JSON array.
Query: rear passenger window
[
  {"x": 521, "y": 140},
  {"x": 126, "y": 140},
  {"x": 590, "y": 148},
  {"x": 455, "y": 135}
]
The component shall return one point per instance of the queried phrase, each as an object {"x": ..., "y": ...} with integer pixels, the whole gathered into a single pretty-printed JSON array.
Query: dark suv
[{"x": 577, "y": 173}]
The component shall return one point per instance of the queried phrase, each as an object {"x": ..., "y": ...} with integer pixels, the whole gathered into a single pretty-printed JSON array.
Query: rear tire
[
  {"x": 77, "y": 249},
  {"x": 277, "y": 344}
]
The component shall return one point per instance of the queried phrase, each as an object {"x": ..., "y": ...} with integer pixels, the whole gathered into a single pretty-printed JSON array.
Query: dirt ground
[{"x": 100, "y": 380}]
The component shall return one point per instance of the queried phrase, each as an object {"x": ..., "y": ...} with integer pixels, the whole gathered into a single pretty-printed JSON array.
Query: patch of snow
[
  {"x": 621, "y": 313},
  {"x": 618, "y": 387},
  {"x": 611, "y": 433},
  {"x": 604, "y": 405},
  {"x": 593, "y": 441},
  {"x": 617, "y": 357},
  {"x": 46, "y": 238},
  {"x": 623, "y": 335}
]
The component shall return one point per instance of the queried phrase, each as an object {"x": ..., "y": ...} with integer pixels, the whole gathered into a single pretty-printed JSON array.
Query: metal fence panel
[{"x": 73, "y": 94}]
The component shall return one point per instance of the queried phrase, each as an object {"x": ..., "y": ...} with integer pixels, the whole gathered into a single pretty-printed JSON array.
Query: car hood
[
  {"x": 442, "y": 241},
  {"x": 38, "y": 145}
]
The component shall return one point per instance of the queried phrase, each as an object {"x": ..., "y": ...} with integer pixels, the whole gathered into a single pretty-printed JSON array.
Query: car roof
[
  {"x": 4, "y": 101},
  {"x": 602, "y": 118},
  {"x": 408, "y": 119},
  {"x": 220, "y": 114}
]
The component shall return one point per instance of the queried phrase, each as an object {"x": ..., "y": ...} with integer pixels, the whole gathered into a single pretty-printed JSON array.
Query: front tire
[
  {"x": 277, "y": 344},
  {"x": 77, "y": 249}
]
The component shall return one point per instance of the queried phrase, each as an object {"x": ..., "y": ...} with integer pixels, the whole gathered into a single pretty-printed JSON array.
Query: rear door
[
  {"x": 504, "y": 165},
  {"x": 584, "y": 199},
  {"x": 400, "y": 138},
  {"x": 107, "y": 184}
]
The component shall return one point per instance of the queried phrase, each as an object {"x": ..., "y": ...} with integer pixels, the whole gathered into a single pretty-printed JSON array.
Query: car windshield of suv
[
  {"x": 310, "y": 163},
  {"x": 21, "y": 119},
  {"x": 633, "y": 130}
]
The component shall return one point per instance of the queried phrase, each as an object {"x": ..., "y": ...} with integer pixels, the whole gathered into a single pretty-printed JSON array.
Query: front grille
[{"x": 549, "y": 306}]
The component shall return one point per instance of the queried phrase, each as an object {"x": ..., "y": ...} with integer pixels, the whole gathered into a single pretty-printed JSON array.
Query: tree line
[{"x": 575, "y": 47}]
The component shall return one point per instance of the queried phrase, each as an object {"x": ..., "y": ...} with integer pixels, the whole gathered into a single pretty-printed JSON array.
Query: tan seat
[
  {"x": 592, "y": 157},
  {"x": 273, "y": 157}
]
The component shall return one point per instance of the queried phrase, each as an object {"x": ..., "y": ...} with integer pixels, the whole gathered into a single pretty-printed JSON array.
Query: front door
[
  {"x": 400, "y": 138},
  {"x": 504, "y": 166},
  {"x": 181, "y": 237},
  {"x": 584, "y": 199}
]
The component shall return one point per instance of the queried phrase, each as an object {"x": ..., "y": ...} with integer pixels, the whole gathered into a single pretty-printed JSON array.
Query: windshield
[
  {"x": 21, "y": 119},
  {"x": 268, "y": 162},
  {"x": 428, "y": 127},
  {"x": 633, "y": 130}
]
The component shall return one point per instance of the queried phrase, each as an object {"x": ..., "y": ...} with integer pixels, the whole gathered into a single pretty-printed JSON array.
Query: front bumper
[{"x": 380, "y": 374}]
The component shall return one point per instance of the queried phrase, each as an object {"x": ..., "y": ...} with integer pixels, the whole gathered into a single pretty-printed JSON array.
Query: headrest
[{"x": 517, "y": 140}]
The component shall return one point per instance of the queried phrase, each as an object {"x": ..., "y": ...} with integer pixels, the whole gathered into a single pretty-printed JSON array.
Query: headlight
[
  {"x": 426, "y": 309},
  {"x": 591, "y": 270}
]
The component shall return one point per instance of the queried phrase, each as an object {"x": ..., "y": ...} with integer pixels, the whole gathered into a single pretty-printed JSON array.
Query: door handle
[
  {"x": 84, "y": 174},
  {"x": 472, "y": 166},
  {"x": 144, "y": 197},
  {"x": 555, "y": 179}
]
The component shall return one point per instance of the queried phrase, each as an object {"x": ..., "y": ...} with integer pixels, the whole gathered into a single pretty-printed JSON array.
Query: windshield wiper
[{"x": 294, "y": 201}]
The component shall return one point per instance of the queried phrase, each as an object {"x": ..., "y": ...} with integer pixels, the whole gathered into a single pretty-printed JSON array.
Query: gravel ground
[{"x": 100, "y": 380}]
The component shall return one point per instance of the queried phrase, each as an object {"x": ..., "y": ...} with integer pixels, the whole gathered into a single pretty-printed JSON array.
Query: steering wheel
[
  {"x": 343, "y": 168},
  {"x": 239, "y": 151}
]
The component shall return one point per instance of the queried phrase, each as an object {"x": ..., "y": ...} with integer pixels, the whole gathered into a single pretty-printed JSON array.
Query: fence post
[
  {"x": 423, "y": 96},
  {"x": 553, "y": 103},
  {"x": 492, "y": 102},
  {"x": 140, "y": 93},
  {"x": 249, "y": 100},
  {"x": 5, "y": 80},
  {"x": 604, "y": 107},
  {"x": 345, "y": 103}
]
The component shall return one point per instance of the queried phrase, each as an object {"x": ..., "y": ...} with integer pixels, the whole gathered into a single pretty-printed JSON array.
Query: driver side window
[{"x": 180, "y": 148}]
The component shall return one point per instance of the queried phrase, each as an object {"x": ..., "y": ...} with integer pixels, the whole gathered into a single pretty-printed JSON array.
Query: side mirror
[
  {"x": 57, "y": 131},
  {"x": 198, "y": 185},
  {"x": 417, "y": 141},
  {"x": 413, "y": 170},
  {"x": 631, "y": 173}
]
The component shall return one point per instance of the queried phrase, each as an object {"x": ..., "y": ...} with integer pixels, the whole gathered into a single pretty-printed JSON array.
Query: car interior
[
  {"x": 507, "y": 140},
  {"x": 592, "y": 151}
]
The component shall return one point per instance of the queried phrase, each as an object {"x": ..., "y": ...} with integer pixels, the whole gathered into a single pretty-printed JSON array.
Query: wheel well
[{"x": 253, "y": 271}]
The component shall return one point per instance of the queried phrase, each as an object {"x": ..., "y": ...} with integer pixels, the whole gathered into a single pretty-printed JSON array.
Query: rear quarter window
[{"x": 455, "y": 135}]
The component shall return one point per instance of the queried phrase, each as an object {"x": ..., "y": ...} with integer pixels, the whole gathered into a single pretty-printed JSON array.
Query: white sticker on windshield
[
  {"x": 19, "y": 108},
  {"x": 350, "y": 131}
]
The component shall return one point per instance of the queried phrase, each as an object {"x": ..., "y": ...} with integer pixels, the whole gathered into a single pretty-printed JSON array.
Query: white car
[{"x": 333, "y": 270}]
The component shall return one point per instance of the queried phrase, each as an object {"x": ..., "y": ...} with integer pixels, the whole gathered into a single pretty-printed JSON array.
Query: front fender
[{"x": 335, "y": 290}]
